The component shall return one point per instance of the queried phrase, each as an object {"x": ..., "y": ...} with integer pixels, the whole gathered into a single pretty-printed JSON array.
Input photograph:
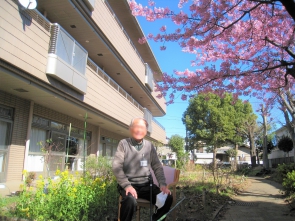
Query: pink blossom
[
  {"x": 163, "y": 48},
  {"x": 243, "y": 47},
  {"x": 142, "y": 40},
  {"x": 163, "y": 28},
  {"x": 151, "y": 3}
]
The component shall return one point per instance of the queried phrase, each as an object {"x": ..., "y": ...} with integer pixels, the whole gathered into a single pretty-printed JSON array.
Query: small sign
[{"x": 143, "y": 163}]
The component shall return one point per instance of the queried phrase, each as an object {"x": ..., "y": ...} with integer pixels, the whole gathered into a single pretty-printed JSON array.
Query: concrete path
[{"x": 261, "y": 201}]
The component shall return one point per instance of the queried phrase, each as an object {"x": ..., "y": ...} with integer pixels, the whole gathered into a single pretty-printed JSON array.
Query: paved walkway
[{"x": 260, "y": 202}]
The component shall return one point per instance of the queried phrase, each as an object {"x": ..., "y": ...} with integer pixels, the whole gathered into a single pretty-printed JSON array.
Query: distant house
[
  {"x": 201, "y": 156},
  {"x": 278, "y": 156}
]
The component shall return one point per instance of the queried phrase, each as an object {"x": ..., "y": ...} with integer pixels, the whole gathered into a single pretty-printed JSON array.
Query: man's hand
[
  {"x": 132, "y": 191},
  {"x": 165, "y": 190}
]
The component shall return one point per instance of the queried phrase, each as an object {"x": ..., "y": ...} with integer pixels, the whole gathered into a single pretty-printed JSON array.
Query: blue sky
[{"x": 174, "y": 59}]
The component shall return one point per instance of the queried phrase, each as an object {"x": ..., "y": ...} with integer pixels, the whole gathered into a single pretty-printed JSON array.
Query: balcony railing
[
  {"x": 149, "y": 77},
  {"x": 110, "y": 81},
  {"x": 67, "y": 59},
  {"x": 159, "y": 124},
  {"x": 121, "y": 26},
  {"x": 148, "y": 117}
]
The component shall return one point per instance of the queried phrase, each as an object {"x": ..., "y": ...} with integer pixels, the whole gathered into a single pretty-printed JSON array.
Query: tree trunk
[
  {"x": 265, "y": 152},
  {"x": 252, "y": 148},
  {"x": 257, "y": 157},
  {"x": 290, "y": 7},
  {"x": 236, "y": 157},
  {"x": 214, "y": 162},
  {"x": 214, "y": 157}
]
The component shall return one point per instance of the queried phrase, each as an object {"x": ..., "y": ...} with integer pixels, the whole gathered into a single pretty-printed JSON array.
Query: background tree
[
  {"x": 243, "y": 113},
  {"x": 286, "y": 100},
  {"x": 249, "y": 129},
  {"x": 177, "y": 143},
  {"x": 212, "y": 120},
  {"x": 231, "y": 153},
  {"x": 285, "y": 144},
  {"x": 253, "y": 42},
  {"x": 259, "y": 137}
]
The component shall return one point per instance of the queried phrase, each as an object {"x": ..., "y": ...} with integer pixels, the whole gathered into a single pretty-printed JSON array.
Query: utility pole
[{"x": 265, "y": 152}]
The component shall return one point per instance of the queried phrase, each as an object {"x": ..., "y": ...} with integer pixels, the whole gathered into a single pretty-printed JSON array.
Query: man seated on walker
[{"x": 132, "y": 162}]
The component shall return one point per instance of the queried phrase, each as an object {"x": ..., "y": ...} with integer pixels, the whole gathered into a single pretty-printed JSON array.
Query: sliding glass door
[{"x": 5, "y": 134}]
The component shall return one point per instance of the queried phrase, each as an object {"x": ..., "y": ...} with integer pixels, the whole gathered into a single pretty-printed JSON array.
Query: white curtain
[
  {"x": 81, "y": 147},
  {"x": 2, "y": 162},
  {"x": 37, "y": 135},
  {"x": 3, "y": 135},
  {"x": 35, "y": 163}
]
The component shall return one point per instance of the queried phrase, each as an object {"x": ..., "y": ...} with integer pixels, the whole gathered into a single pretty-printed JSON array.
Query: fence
[{"x": 275, "y": 162}]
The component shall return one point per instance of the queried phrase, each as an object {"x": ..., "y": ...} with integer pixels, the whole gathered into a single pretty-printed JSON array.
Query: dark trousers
[{"x": 128, "y": 203}]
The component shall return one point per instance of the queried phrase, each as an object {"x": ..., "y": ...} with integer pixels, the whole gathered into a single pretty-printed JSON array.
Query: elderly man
[{"x": 131, "y": 165}]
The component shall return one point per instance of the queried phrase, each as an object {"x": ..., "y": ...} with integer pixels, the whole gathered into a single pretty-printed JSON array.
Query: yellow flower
[
  {"x": 57, "y": 172},
  {"x": 25, "y": 172},
  {"x": 25, "y": 210},
  {"x": 74, "y": 189},
  {"x": 40, "y": 177}
]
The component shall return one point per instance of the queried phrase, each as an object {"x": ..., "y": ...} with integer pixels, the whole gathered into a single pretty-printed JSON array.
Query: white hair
[{"x": 139, "y": 118}]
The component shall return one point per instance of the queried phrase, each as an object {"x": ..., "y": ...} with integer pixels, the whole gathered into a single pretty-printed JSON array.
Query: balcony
[
  {"x": 107, "y": 96},
  {"x": 158, "y": 132},
  {"x": 67, "y": 59}
]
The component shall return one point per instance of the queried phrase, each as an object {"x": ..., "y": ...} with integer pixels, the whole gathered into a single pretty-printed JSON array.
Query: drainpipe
[{"x": 28, "y": 136}]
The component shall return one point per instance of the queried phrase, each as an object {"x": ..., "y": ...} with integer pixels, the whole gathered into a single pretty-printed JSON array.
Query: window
[
  {"x": 38, "y": 138},
  {"x": 60, "y": 144},
  {"x": 40, "y": 121},
  {"x": 6, "y": 117},
  {"x": 57, "y": 126},
  {"x": 5, "y": 131}
]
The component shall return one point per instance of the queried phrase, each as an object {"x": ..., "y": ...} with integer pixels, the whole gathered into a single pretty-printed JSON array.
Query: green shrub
[
  {"x": 283, "y": 170},
  {"x": 289, "y": 183},
  {"x": 70, "y": 197},
  {"x": 99, "y": 167}
]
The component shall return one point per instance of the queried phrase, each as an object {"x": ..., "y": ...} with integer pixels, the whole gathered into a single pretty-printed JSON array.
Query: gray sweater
[{"x": 127, "y": 168}]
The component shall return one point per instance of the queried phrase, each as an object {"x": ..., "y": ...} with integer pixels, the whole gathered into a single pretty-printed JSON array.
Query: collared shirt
[{"x": 138, "y": 146}]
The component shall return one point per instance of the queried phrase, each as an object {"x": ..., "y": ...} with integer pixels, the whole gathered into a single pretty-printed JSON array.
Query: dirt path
[{"x": 260, "y": 202}]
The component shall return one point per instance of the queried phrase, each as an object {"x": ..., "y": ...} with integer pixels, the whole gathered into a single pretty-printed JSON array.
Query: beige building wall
[
  {"x": 158, "y": 133},
  {"x": 101, "y": 95},
  {"x": 107, "y": 23},
  {"x": 23, "y": 42},
  {"x": 27, "y": 47},
  {"x": 19, "y": 133}
]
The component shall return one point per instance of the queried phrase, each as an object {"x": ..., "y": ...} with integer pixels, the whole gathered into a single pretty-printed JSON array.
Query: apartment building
[{"x": 65, "y": 63}]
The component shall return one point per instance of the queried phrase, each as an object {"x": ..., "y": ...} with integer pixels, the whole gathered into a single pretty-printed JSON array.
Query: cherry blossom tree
[{"x": 244, "y": 47}]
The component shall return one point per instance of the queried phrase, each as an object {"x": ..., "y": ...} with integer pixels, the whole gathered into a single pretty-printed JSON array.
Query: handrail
[
  {"x": 122, "y": 28},
  {"x": 110, "y": 81},
  {"x": 159, "y": 124}
]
